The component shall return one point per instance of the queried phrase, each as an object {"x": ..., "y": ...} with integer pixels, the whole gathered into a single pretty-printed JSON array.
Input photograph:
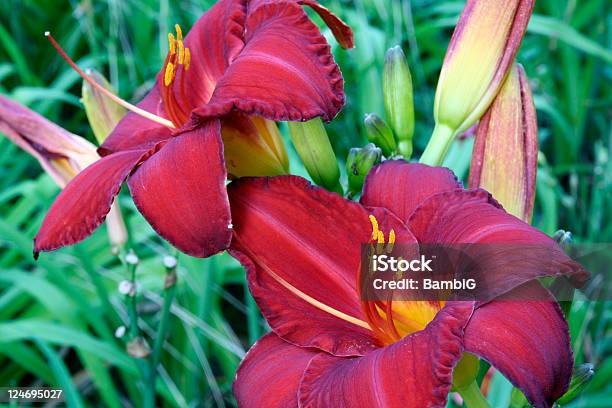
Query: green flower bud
[
  {"x": 399, "y": 104},
  {"x": 581, "y": 378},
  {"x": 103, "y": 113},
  {"x": 466, "y": 371},
  {"x": 380, "y": 134},
  {"x": 312, "y": 144},
  {"x": 358, "y": 164}
]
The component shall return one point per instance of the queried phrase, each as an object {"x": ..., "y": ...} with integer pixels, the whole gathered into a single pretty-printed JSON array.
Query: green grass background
[{"x": 58, "y": 315}]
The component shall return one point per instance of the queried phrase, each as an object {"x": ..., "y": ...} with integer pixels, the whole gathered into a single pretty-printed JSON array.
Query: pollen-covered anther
[
  {"x": 375, "y": 231},
  {"x": 391, "y": 241},
  {"x": 178, "y": 55},
  {"x": 171, "y": 44},
  {"x": 169, "y": 74}
]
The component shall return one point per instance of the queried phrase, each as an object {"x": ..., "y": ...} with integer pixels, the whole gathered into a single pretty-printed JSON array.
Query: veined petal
[
  {"x": 341, "y": 31},
  {"x": 400, "y": 186},
  {"x": 180, "y": 190},
  {"x": 301, "y": 247},
  {"x": 508, "y": 251},
  {"x": 82, "y": 206},
  {"x": 270, "y": 373},
  {"x": 137, "y": 132},
  {"x": 414, "y": 372},
  {"x": 213, "y": 42},
  {"x": 252, "y": 146},
  {"x": 285, "y": 71},
  {"x": 527, "y": 340}
]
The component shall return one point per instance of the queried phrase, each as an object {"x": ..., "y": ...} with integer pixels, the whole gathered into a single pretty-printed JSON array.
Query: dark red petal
[
  {"x": 528, "y": 341},
  {"x": 342, "y": 32},
  {"x": 311, "y": 239},
  {"x": 180, "y": 190},
  {"x": 401, "y": 187},
  {"x": 214, "y": 41},
  {"x": 82, "y": 206},
  {"x": 270, "y": 373},
  {"x": 509, "y": 251},
  {"x": 414, "y": 372},
  {"x": 285, "y": 71},
  {"x": 135, "y": 131}
]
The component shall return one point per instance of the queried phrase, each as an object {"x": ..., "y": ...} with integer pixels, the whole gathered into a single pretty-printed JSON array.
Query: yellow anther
[
  {"x": 181, "y": 52},
  {"x": 391, "y": 241},
  {"x": 375, "y": 230},
  {"x": 179, "y": 32},
  {"x": 169, "y": 74},
  {"x": 172, "y": 43},
  {"x": 187, "y": 58},
  {"x": 380, "y": 237}
]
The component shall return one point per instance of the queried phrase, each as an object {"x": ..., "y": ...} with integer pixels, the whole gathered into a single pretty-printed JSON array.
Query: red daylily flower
[
  {"x": 301, "y": 248},
  {"x": 242, "y": 64}
]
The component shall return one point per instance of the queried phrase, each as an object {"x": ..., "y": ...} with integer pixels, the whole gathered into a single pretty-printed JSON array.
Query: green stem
[
  {"x": 162, "y": 330},
  {"x": 438, "y": 145},
  {"x": 472, "y": 397},
  {"x": 132, "y": 304}
]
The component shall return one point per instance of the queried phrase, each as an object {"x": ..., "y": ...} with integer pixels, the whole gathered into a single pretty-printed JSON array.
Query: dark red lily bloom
[
  {"x": 301, "y": 248},
  {"x": 243, "y": 63}
]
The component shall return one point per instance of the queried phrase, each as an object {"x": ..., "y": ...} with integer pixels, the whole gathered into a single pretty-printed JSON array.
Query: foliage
[{"x": 58, "y": 316}]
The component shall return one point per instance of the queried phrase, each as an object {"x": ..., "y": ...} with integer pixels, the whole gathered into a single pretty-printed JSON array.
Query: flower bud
[
  {"x": 358, "y": 164},
  {"x": 504, "y": 160},
  {"x": 60, "y": 153},
  {"x": 581, "y": 378},
  {"x": 478, "y": 58},
  {"x": 312, "y": 144},
  {"x": 380, "y": 134},
  {"x": 466, "y": 371},
  {"x": 103, "y": 113},
  {"x": 399, "y": 105},
  {"x": 253, "y": 146}
]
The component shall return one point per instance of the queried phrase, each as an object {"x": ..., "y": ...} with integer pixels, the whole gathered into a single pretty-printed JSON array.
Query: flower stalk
[
  {"x": 472, "y": 396},
  {"x": 169, "y": 292}
]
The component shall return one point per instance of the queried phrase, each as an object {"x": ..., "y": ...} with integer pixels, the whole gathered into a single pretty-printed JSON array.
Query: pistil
[{"x": 100, "y": 88}]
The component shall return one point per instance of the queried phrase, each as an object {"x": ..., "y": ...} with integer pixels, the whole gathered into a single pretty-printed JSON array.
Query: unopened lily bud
[
  {"x": 312, "y": 144},
  {"x": 380, "y": 134},
  {"x": 253, "y": 146},
  {"x": 103, "y": 113},
  {"x": 504, "y": 160},
  {"x": 60, "y": 153},
  {"x": 399, "y": 104},
  {"x": 478, "y": 58},
  {"x": 581, "y": 378},
  {"x": 466, "y": 371},
  {"x": 358, "y": 164}
]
